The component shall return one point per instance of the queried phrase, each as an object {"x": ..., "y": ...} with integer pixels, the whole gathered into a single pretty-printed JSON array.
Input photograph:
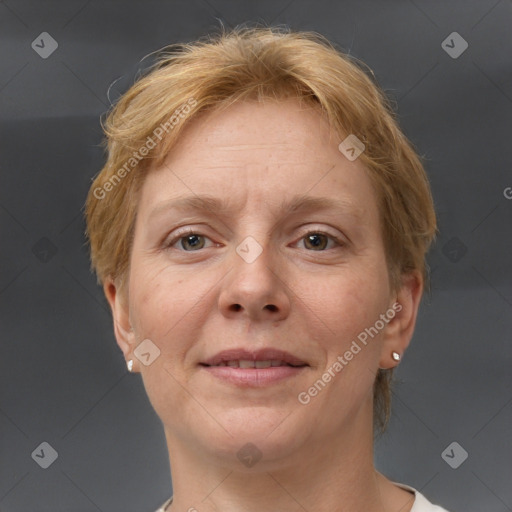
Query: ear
[
  {"x": 398, "y": 333},
  {"x": 120, "y": 314}
]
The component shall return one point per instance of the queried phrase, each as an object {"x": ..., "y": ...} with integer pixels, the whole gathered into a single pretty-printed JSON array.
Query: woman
[{"x": 260, "y": 230}]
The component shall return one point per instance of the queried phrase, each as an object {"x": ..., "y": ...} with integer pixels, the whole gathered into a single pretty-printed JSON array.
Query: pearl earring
[
  {"x": 396, "y": 356},
  {"x": 129, "y": 365}
]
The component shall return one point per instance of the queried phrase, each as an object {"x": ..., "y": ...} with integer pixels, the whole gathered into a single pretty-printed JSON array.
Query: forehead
[
  {"x": 267, "y": 126},
  {"x": 258, "y": 152}
]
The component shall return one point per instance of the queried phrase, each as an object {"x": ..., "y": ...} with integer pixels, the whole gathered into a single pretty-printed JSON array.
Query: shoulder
[
  {"x": 165, "y": 505},
  {"x": 421, "y": 504}
]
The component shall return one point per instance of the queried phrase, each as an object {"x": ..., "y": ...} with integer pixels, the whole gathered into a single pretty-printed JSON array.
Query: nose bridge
[
  {"x": 253, "y": 285},
  {"x": 252, "y": 263}
]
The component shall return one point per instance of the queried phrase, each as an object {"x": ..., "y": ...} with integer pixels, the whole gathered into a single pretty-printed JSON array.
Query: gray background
[{"x": 63, "y": 380}]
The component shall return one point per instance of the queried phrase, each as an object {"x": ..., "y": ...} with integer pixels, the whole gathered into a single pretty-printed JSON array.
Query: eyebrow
[{"x": 299, "y": 203}]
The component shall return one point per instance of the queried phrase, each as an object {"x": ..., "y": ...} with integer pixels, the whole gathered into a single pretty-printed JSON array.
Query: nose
[{"x": 255, "y": 288}]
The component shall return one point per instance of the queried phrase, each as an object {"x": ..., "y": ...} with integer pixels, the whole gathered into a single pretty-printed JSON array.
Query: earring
[
  {"x": 129, "y": 365},
  {"x": 396, "y": 356}
]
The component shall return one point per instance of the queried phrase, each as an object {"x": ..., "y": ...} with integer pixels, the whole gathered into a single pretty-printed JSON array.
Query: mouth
[
  {"x": 253, "y": 369},
  {"x": 263, "y": 358},
  {"x": 246, "y": 363}
]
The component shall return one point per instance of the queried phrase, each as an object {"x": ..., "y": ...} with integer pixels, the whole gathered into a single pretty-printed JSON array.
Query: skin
[{"x": 195, "y": 299}]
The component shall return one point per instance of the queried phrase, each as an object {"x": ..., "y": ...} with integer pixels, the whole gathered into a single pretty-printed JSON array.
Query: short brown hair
[{"x": 255, "y": 63}]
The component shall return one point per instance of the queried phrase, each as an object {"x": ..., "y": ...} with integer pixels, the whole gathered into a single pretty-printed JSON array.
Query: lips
[{"x": 246, "y": 359}]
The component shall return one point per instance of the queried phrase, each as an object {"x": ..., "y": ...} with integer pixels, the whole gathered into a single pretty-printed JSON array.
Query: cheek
[
  {"x": 162, "y": 310},
  {"x": 155, "y": 302},
  {"x": 167, "y": 306},
  {"x": 352, "y": 302},
  {"x": 147, "y": 298}
]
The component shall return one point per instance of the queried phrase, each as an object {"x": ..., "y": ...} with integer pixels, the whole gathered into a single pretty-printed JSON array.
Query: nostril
[{"x": 271, "y": 307}]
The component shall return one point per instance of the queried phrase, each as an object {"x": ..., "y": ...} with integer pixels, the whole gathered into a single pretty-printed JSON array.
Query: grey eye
[{"x": 193, "y": 240}]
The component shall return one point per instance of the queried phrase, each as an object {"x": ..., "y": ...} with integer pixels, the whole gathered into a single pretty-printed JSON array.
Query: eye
[
  {"x": 318, "y": 240},
  {"x": 187, "y": 239}
]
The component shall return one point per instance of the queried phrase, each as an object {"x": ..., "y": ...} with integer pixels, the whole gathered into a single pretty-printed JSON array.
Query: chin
[
  {"x": 270, "y": 431},
  {"x": 253, "y": 452}
]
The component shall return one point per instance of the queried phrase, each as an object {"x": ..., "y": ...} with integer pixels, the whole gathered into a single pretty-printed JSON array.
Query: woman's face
[{"x": 252, "y": 274}]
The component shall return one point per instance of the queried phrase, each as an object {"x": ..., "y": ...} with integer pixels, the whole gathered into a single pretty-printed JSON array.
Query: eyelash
[{"x": 189, "y": 231}]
